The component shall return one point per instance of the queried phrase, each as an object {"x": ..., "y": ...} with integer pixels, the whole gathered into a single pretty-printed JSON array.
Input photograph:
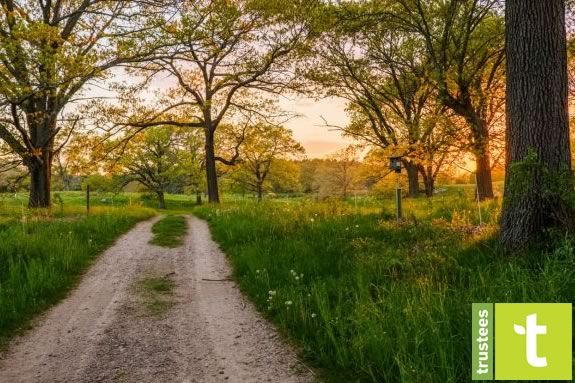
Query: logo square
[{"x": 533, "y": 341}]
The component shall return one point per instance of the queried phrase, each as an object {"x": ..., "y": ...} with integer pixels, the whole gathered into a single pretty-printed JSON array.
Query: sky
[{"x": 309, "y": 127}]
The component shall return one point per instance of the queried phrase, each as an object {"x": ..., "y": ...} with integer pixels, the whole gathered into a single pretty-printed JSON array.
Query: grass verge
[
  {"x": 169, "y": 231},
  {"x": 41, "y": 259},
  {"x": 369, "y": 299}
]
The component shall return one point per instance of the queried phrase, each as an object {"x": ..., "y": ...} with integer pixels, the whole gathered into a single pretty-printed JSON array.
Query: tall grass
[
  {"x": 41, "y": 256},
  {"x": 369, "y": 299}
]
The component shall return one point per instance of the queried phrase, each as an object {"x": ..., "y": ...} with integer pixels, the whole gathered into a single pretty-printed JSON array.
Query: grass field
[{"x": 369, "y": 299}]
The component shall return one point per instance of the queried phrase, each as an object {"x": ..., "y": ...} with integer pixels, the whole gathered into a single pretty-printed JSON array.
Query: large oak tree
[
  {"x": 226, "y": 54},
  {"x": 49, "y": 52},
  {"x": 538, "y": 180}
]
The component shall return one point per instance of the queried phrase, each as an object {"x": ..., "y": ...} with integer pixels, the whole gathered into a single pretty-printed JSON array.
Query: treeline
[{"x": 430, "y": 81}]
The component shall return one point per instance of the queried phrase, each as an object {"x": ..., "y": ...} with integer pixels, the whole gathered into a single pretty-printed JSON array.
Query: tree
[
  {"x": 464, "y": 44},
  {"x": 338, "y": 175},
  {"x": 50, "y": 51},
  {"x": 538, "y": 183},
  {"x": 158, "y": 159},
  {"x": 264, "y": 146},
  {"x": 382, "y": 72},
  {"x": 225, "y": 55}
]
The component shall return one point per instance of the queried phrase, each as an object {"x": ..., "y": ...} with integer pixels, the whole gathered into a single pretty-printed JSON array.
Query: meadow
[
  {"x": 365, "y": 297},
  {"x": 371, "y": 299}
]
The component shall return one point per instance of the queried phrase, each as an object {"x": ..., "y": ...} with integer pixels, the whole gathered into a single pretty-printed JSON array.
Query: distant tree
[
  {"x": 538, "y": 187},
  {"x": 307, "y": 174},
  {"x": 261, "y": 150},
  {"x": 338, "y": 175},
  {"x": 157, "y": 159},
  {"x": 285, "y": 177}
]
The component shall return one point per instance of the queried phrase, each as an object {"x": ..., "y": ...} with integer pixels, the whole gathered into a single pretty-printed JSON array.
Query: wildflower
[
  {"x": 301, "y": 275},
  {"x": 296, "y": 278},
  {"x": 311, "y": 219},
  {"x": 309, "y": 295},
  {"x": 313, "y": 315},
  {"x": 288, "y": 303},
  {"x": 257, "y": 271},
  {"x": 272, "y": 292},
  {"x": 356, "y": 226}
]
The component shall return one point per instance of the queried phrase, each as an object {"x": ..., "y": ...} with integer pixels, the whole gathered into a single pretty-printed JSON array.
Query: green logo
[{"x": 522, "y": 341}]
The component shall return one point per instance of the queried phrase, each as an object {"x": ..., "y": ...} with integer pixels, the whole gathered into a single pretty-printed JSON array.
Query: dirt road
[{"x": 197, "y": 327}]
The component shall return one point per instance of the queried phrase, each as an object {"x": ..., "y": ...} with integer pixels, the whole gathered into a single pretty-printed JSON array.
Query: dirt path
[{"x": 110, "y": 330}]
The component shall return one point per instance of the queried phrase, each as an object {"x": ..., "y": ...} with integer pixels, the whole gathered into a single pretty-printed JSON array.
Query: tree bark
[
  {"x": 484, "y": 182},
  {"x": 412, "y": 178},
  {"x": 211, "y": 173},
  {"x": 482, "y": 159},
  {"x": 538, "y": 166},
  {"x": 40, "y": 181},
  {"x": 428, "y": 180},
  {"x": 260, "y": 191},
  {"x": 39, "y": 159},
  {"x": 161, "y": 200}
]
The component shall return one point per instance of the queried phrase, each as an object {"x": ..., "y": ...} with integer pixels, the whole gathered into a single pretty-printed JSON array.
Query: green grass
[
  {"x": 43, "y": 255},
  {"x": 369, "y": 299},
  {"x": 169, "y": 231},
  {"x": 156, "y": 293},
  {"x": 43, "y": 252}
]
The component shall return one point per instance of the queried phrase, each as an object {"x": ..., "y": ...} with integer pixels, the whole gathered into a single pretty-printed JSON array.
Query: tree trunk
[
  {"x": 211, "y": 174},
  {"x": 412, "y": 178},
  {"x": 538, "y": 167},
  {"x": 260, "y": 191},
  {"x": 484, "y": 183},
  {"x": 482, "y": 159},
  {"x": 161, "y": 200},
  {"x": 429, "y": 181},
  {"x": 40, "y": 181}
]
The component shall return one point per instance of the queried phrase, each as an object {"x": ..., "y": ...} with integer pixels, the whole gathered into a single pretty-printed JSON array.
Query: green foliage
[
  {"x": 530, "y": 173},
  {"x": 99, "y": 183},
  {"x": 372, "y": 300},
  {"x": 169, "y": 231}
]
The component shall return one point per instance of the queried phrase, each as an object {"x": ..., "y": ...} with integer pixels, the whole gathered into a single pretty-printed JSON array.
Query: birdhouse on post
[{"x": 395, "y": 164}]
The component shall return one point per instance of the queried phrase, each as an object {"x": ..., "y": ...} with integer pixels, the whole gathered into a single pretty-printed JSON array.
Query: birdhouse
[{"x": 395, "y": 164}]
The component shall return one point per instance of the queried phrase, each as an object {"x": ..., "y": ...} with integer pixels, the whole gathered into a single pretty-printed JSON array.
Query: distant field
[{"x": 369, "y": 299}]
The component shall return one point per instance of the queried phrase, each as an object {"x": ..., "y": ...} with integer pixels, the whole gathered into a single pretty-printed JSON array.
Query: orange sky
[{"x": 310, "y": 129}]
